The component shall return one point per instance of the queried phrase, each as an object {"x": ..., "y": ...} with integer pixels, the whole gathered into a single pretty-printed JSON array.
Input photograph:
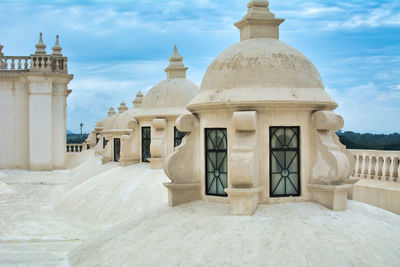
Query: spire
[
  {"x": 57, "y": 48},
  {"x": 40, "y": 46},
  {"x": 111, "y": 112},
  {"x": 259, "y": 22},
  {"x": 138, "y": 100},
  {"x": 122, "y": 107},
  {"x": 176, "y": 69}
]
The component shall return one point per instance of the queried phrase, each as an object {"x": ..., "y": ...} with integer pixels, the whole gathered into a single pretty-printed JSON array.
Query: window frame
[
  {"x": 206, "y": 150},
  {"x": 142, "y": 143},
  {"x": 297, "y": 150}
]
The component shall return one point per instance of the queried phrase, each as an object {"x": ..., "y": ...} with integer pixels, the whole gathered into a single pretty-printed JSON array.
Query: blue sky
[{"x": 118, "y": 47}]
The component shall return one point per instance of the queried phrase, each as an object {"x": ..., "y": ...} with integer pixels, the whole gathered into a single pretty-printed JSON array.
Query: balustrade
[
  {"x": 75, "y": 148},
  {"x": 377, "y": 165},
  {"x": 43, "y": 63},
  {"x": 14, "y": 63}
]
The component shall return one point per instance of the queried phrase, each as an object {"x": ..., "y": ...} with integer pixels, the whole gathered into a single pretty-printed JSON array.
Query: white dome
[
  {"x": 175, "y": 92},
  {"x": 262, "y": 70}
]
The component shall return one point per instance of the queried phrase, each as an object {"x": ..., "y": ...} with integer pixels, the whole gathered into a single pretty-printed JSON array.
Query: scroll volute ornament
[
  {"x": 331, "y": 163},
  {"x": 182, "y": 166}
]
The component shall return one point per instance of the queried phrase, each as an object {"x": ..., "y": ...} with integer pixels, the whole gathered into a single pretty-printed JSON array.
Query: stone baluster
[
  {"x": 371, "y": 167},
  {"x": 364, "y": 171},
  {"x": 378, "y": 169},
  {"x": 394, "y": 165},
  {"x": 386, "y": 168},
  {"x": 360, "y": 164},
  {"x": 12, "y": 64},
  {"x": 19, "y": 66},
  {"x": 26, "y": 64}
]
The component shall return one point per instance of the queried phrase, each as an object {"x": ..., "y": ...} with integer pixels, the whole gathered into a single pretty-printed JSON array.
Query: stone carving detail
[
  {"x": 130, "y": 152},
  {"x": 106, "y": 152},
  {"x": 243, "y": 166},
  {"x": 332, "y": 165},
  {"x": 182, "y": 165},
  {"x": 158, "y": 145}
]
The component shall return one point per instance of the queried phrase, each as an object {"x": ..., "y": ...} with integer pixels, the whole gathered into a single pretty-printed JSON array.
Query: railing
[
  {"x": 35, "y": 62},
  {"x": 377, "y": 164},
  {"x": 74, "y": 148},
  {"x": 16, "y": 63}
]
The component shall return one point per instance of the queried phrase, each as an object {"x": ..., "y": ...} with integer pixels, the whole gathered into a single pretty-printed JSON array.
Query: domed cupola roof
[
  {"x": 170, "y": 96},
  {"x": 261, "y": 70}
]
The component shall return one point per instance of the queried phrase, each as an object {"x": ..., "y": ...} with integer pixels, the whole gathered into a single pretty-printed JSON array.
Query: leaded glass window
[
  {"x": 216, "y": 145},
  {"x": 284, "y": 161},
  {"x": 178, "y": 136},
  {"x": 146, "y": 139},
  {"x": 117, "y": 149}
]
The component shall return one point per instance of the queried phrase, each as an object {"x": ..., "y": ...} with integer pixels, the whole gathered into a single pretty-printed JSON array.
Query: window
[
  {"x": 178, "y": 136},
  {"x": 284, "y": 161},
  {"x": 97, "y": 138},
  {"x": 146, "y": 139},
  {"x": 104, "y": 142},
  {"x": 216, "y": 145},
  {"x": 117, "y": 149}
]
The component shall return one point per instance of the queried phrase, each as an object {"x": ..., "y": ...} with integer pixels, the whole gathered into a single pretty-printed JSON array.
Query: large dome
[
  {"x": 261, "y": 62},
  {"x": 175, "y": 92},
  {"x": 261, "y": 69}
]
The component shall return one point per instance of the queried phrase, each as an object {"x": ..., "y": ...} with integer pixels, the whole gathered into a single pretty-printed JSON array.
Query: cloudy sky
[{"x": 118, "y": 47}]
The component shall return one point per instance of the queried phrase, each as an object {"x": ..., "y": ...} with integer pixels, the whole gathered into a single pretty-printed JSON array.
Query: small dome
[
  {"x": 176, "y": 92},
  {"x": 170, "y": 96}
]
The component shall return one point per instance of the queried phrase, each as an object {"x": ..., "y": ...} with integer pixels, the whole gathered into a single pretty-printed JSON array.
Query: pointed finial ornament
[
  {"x": 111, "y": 112},
  {"x": 176, "y": 68},
  {"x": 57, "y": 48},
  {"x": 40, "y": 46},
  {"x": 122, "y": 107},
  {"x": 138, "y": 100},
  {"x": 259, "y": 22},
  {"x": 1, "y": 51}
]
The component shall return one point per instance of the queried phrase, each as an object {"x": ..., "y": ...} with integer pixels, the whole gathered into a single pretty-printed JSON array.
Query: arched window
[
  {"x": 97, "y": 138},
  {"x": 146, "y": 139},
  {"x": 284, "y": 161},
  {"x": 216, "y": 146},
  {"x": 178, "y": 136}
]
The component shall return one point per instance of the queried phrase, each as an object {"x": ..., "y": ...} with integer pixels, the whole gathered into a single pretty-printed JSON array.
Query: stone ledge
[
  {"x": 244, "y": 201},
  {"x": 331, "y": 196},
  {"x": 182, "y": 193}
]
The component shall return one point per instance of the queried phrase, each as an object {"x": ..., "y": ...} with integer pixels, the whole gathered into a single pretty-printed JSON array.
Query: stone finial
[
  {"x": 176, "y": 68},
  {"x": 111, "y": 112},
  {"x": 40, "y": 46},
  {"x": 122, "y": 107},
  {"x": 57, "y": 48},
  {"x": 259, "y": 22},
  {"x": 138, "y": 100},
  {"x": 1, "y": 51}
]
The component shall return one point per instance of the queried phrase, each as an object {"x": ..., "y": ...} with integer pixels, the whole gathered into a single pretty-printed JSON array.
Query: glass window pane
[
  {"x": 216, "y": 162},
  {"x": 284, "y": 161}
]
